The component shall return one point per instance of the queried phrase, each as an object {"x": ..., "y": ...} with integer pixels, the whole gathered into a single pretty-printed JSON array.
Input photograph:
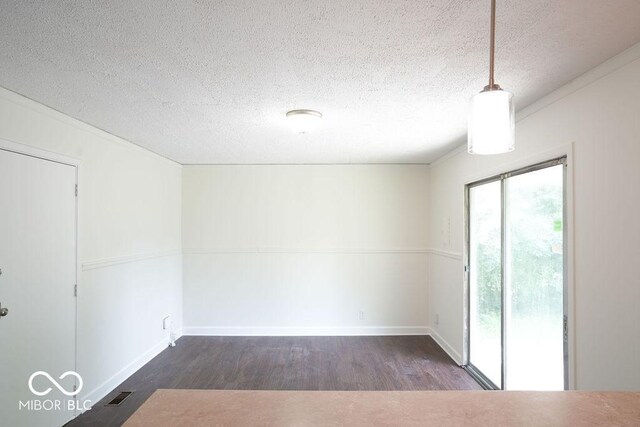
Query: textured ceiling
[{"x": 210, "y": 81}]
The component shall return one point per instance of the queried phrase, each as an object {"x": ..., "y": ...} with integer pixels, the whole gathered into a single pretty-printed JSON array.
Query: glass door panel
[
  {"x": 485, "y": 280},
  {"x": 534, "y": 278}
]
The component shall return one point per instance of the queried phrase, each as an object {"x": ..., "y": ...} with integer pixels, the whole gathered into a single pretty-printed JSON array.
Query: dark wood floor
[{"x": 287, "y": 363}]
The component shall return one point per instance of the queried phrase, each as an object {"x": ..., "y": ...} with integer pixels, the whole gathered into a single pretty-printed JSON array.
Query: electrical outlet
[
  {"x": 437, "y": 320},
  {"x": 166, "y": 323},
  {"x": 361, "y": 315}
]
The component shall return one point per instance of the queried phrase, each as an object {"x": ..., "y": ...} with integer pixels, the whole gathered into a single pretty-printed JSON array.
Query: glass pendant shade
[{"x": 491, "y": 123}]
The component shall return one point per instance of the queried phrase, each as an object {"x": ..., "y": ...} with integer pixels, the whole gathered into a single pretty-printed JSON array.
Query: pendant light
[{"x": 492, "y": 117}]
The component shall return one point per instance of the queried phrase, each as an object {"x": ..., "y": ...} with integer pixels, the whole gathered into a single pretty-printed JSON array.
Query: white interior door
[{"x": 38, "y": 263}]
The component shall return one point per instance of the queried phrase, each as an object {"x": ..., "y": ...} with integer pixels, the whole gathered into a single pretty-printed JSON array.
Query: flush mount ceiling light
[
  {"x": 492, "y": 118},
  {"x": 304, "y": 121}
]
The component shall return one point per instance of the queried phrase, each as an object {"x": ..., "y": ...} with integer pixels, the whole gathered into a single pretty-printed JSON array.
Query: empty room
[{"x": 293, "y": 212}]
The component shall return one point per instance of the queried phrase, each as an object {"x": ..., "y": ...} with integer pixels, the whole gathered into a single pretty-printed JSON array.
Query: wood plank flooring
[{"x": 287, "y": 363}]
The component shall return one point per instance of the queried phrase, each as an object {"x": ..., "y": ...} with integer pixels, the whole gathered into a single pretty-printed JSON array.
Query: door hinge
[
  {"x": 76, "y": 190},
  {"x": 565, "y": 327},
  {"x": 75, "y": 290}
]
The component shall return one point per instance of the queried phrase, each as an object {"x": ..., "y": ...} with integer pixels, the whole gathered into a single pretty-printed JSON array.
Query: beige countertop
[{"x": 435, "y": 408}]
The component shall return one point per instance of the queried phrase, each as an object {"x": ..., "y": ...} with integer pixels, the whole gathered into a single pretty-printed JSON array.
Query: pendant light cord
[{"x": 492, "y": 48}]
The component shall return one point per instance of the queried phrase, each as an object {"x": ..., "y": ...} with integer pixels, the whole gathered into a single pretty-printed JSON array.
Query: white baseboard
[
  {"x": 107, "y": 386},
  {"x": 445, "y": 346},
  {"x": 304, "y": 331}
]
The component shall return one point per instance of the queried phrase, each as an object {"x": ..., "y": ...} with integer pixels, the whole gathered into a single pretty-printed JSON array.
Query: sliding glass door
[{"x": 516, "y": 307}]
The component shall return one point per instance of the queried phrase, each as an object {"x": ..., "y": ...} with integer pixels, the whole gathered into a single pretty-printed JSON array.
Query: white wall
[
  {"x": 130, "y": 240},
  {"x": 600, "y": 114},
  {"x": 304, "y": 249}
]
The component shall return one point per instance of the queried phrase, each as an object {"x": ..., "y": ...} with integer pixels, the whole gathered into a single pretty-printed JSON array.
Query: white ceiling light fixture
[
  {"x": 304, "y": 121},
  {"x": 492, "y": 116}
]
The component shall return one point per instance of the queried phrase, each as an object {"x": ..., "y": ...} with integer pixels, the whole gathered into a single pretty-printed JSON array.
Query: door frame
[
  {"x": 523, "y": 165},
  {"x": 27, "y": 150}
]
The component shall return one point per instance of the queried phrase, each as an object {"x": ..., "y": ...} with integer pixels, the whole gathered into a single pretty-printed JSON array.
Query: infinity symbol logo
[{"x": 55, "y": 383}]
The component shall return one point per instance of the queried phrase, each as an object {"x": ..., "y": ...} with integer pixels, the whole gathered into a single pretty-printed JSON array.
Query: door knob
[{"x": 3, "y": 311}]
